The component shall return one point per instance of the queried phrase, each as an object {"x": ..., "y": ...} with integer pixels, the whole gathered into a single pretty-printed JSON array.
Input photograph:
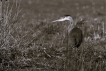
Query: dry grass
[{"x": 38, "y": 45}]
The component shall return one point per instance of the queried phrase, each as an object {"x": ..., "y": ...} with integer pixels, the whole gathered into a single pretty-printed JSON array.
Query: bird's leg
[
  {"x": 68, "y": 58},
  {"x": 76, "y": 50},
  {"x": 68, "y": 54}
]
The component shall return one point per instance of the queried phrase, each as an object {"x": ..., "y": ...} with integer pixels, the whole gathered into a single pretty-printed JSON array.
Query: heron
[{"x": 75, "y": 35}]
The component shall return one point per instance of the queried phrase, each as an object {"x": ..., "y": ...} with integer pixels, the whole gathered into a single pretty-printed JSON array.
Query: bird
[
  {"x": 74, "y": 38},
  {"x": 75, "y": 34}
]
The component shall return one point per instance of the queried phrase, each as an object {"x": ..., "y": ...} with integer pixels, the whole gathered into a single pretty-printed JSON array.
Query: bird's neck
[{"x": 71, "y": 26}]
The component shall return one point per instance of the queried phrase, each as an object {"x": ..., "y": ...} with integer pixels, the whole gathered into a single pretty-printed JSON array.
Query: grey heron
[{"x": 75, "y": 35}]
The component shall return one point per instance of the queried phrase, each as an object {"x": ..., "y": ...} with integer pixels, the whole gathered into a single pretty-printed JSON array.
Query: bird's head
[{"x": 64, "y": 18}]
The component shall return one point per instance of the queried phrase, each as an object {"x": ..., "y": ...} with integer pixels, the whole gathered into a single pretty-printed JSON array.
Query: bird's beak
[
  {"x": 58, "y": 20},
  {"x": 55, "y": 21}
]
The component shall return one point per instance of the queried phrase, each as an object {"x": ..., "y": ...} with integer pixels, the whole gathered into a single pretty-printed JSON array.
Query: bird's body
[{"x": 75, "y": 37}]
